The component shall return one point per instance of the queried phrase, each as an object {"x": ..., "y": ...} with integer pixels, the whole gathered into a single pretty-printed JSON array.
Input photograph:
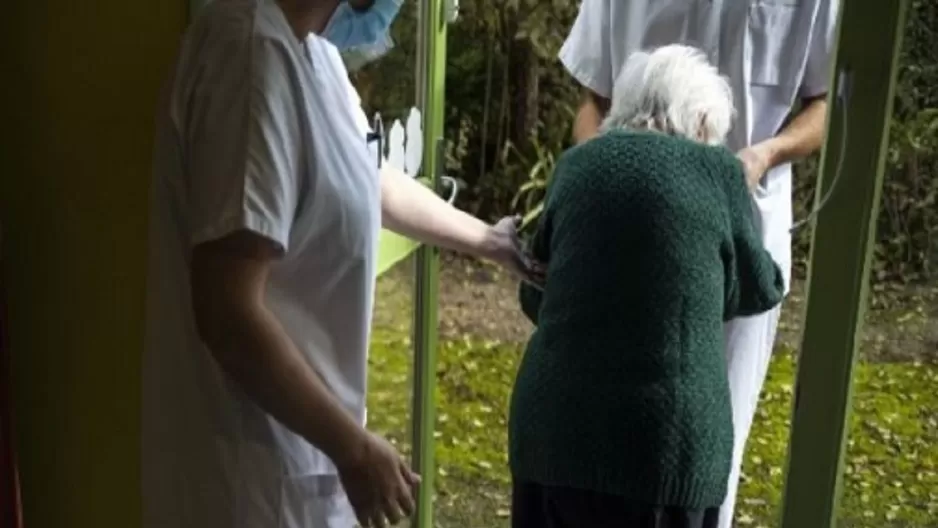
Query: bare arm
[
  {"x": 412, "y": 209},
  {"x": 803, "y": 136},
  {"x": 800, "y": 138},
  {"x": 408, "y": 207},
  {"x": 229, "y": 277},
  {"x": 592, "y": 110}
]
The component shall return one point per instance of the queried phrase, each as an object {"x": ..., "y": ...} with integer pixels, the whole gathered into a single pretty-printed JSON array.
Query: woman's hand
[
  {"x": 379, "y": 484},
  {"x": 503, "y": 246},
  {"x": 756, "y": 160},
  {"x": 411, "y": 209}
]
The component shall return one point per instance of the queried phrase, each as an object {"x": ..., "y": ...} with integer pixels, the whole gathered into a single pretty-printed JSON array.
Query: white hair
[{"x": 674, "y": 90}]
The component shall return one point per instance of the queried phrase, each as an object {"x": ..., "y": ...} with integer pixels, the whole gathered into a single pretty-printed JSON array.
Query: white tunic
[{"x": 259, "y": 131}]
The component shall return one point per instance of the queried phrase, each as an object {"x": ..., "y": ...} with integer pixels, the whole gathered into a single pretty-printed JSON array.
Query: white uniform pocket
[
  {"x": 670, "y": 22},
  {"x": 773, "y": 36}
]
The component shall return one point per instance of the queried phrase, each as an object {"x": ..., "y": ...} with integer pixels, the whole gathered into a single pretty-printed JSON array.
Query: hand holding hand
[
  {"x": 379, "y": 484},
  {"x": 756, "y": 162},
  {"x": 504, "y": 247}
]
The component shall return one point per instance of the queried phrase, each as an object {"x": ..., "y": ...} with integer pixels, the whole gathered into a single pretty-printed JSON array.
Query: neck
[{"x": 307, "y": 16}]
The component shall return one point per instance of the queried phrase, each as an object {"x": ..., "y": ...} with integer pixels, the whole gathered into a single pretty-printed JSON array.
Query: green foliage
[
  {"x": 907, "y": 248},
  {"x": 892, "y": 460},
  {"x": 530, "y": 195},
  {"x": 506, "y": 92},
  {"x": 508, "y": 97}
]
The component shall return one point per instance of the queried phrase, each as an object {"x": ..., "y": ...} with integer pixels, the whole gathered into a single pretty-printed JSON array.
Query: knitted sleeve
[
  {"x": 530, "y": 298},
  {"x": 754, "y": 281}
]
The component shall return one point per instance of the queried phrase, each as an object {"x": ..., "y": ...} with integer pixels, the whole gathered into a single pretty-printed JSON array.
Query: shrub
[{"x": 509, "y": 101}]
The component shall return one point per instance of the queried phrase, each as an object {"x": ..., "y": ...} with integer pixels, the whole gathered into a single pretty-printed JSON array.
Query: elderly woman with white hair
[{"x": 621, "y": 412}]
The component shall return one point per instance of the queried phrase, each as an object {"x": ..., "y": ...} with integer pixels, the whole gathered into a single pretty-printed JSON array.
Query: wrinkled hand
[
  {"x": 756, "y": 162},
  {"x": 379, "y": 484},
  {"x": 505, "y": 247}
]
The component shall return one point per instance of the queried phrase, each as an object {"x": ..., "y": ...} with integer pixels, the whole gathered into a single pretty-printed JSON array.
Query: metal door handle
[
  {"x": 442, "y": 179},
  {"x": 453, "y": 185}
]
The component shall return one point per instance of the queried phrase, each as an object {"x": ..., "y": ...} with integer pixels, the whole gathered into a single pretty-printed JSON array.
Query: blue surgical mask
[
  {"x": 356, "y": 58},
  {"x": 349, "y": 28}
]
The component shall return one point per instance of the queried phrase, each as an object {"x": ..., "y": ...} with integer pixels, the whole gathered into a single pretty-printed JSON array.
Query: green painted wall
[{"x": 80, "y": 81}]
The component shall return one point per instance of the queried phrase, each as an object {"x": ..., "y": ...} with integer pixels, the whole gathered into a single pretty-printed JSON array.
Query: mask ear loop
[{"x": 844, "y": 85}]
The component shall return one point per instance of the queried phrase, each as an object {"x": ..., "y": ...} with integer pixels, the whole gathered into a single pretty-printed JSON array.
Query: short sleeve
[
  {"x": 817, "y": 75},
  {"x": 586, "y": 53},
  {"x": 243, "y": 150}
]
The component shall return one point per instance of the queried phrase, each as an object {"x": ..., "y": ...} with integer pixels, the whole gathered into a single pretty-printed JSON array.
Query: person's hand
[
  {"x": 756, "y": 162},
  {"x": 379, "y": 483},
  {"x": 503, "y": 245}
]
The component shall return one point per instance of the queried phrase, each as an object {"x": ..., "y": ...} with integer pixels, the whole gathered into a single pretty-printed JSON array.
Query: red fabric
[{"x": 10, "y": 512}]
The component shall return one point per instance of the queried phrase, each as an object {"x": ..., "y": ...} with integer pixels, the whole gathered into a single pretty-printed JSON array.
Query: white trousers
[
  {"x": 749, "y": 344},
  {"x": 333, "y": 511}
]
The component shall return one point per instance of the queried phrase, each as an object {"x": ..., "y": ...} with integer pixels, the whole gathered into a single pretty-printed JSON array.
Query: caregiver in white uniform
[
  {"x": 774, "y": 52},
  {"x": 266, "y": 210}
]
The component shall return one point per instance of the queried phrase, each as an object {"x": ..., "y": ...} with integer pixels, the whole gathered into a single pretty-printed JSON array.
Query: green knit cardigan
[{"x": 651, "y": 247}]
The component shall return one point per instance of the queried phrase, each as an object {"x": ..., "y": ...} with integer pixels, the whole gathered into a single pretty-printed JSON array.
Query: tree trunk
[{"x": 525, "y": 65}]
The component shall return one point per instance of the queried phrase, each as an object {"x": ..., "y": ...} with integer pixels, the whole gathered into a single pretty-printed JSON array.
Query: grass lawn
[
  {"x": 892, "y": 461},
  {"x": 892, "y": 468}
]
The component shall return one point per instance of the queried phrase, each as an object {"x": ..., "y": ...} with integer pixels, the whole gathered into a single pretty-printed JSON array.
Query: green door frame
[
  {"x": 431, "y": 92},
  {"x": 841, "y": 249}
]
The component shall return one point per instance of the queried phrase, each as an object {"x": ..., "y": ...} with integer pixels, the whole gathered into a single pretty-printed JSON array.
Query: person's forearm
[
  {"x": 802, "y": 137},
  {"x": 410, "y": 208},
  {"x": 255, "y": 351},
  {"x": 589, "y": 117}
]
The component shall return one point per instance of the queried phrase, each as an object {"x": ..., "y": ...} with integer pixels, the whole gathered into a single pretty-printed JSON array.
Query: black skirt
[{"x": 536, "y": 506}]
